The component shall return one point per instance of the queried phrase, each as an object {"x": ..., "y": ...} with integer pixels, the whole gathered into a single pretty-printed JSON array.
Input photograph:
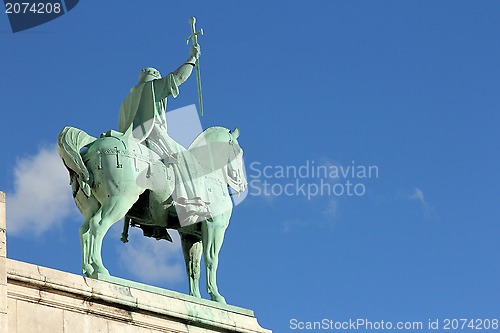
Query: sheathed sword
[{"x": 194, "y": 38}]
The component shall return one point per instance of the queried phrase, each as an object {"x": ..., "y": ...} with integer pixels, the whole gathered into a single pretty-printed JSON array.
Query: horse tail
[{"x": 69, "y": 143}]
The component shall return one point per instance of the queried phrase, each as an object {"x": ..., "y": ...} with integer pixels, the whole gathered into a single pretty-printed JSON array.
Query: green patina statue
[{"x": 144, "y": 176}]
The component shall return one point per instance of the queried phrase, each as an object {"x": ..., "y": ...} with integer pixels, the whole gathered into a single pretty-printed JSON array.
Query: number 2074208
[
  {"x": 33, "y": 8},
  {"x": 472, "y": 324}
]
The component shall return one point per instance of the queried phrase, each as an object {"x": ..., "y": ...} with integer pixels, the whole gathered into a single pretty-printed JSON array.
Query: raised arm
[
  {"x": 182, "y": 73},
  {"x": 168, "y": 85}
]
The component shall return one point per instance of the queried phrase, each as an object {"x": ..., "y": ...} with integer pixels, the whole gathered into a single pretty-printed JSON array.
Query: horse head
[
  {"x": 235, "y": 171},
  {"x": 218, "y": 151}
]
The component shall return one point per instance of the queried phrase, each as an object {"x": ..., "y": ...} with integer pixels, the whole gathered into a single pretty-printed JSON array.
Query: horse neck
[{"x": 211, "y": 138}]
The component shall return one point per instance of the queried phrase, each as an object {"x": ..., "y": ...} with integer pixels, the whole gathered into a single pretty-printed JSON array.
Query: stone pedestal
[
  {"x": 35, "y": 299},
  {"x": 3, "y": 265}
]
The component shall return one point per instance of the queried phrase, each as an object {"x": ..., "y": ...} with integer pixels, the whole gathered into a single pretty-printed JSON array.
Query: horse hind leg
[
  {"x": 89, "y": 209},
  {"x": 113, "y": 210},
  {"x": 85, "y": 242},
  {"x": 192, "y": 249}
]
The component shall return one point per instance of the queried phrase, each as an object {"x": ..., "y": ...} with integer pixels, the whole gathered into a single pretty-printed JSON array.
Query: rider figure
[{"x": 144, "y": 110}]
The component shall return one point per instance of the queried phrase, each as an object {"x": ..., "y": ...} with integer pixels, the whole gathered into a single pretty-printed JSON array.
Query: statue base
[
  {"x": 36, "y": 299},
  {"x": 41, "y": 299}
]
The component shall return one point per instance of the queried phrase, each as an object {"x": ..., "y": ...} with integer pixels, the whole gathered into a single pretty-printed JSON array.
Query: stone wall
[{"x": 3, "y": 265}]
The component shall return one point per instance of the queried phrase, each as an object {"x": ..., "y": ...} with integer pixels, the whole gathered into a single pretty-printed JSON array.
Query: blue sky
[{"x": 411, "y": 87}]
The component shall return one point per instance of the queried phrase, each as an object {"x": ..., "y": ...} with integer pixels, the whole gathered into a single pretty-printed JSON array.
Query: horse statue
[{"x": 115, "y": 176}]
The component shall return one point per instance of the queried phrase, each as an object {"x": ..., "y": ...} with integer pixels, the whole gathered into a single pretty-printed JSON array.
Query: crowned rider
[{"x": 144, "y": 110}]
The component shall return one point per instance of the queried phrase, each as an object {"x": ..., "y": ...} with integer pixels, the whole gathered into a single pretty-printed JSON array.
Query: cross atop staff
[{"x": 194, "y": 38}]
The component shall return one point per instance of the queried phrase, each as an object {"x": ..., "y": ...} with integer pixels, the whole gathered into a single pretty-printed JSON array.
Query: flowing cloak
[
  {"x": 143, "y": 111},
  {"x": 150, "y": 99}
]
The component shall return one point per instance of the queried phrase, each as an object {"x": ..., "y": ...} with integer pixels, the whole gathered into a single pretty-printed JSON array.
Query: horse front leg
[
  {"x": 213, "y": 236},
  {"x": 192, "y": 249}
]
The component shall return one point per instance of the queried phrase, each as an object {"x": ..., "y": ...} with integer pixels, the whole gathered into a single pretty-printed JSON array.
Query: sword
[{"x": 194, "y": 38}]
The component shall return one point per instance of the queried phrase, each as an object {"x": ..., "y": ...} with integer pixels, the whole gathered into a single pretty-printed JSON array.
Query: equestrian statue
[{"x": 143, "y": 176}]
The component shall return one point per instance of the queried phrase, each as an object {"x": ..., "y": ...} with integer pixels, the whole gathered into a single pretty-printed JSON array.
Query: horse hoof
[
  {"x": 196, "y": 294},
  {"x": 88, "y": 270},
  {"x": 100, "y": 270},
  {"x": 218, "y": 299}
]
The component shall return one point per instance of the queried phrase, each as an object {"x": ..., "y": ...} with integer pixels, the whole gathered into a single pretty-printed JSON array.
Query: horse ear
[{"x": 236, "y": 133}]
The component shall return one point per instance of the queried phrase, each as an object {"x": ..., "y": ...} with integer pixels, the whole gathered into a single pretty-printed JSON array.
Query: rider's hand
[{"x": 194, "y": 52}]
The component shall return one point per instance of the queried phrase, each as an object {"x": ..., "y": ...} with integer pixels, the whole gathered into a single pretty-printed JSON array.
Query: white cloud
[
  {"x": 42, "y": 195},
  {"x": 325, "y": 218},
  {"x": 153, "y": 261},
  {"x": 294, "y": 223},
  {"x": 332, "y": 209},
  {"x": 418, "y": 195}
]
